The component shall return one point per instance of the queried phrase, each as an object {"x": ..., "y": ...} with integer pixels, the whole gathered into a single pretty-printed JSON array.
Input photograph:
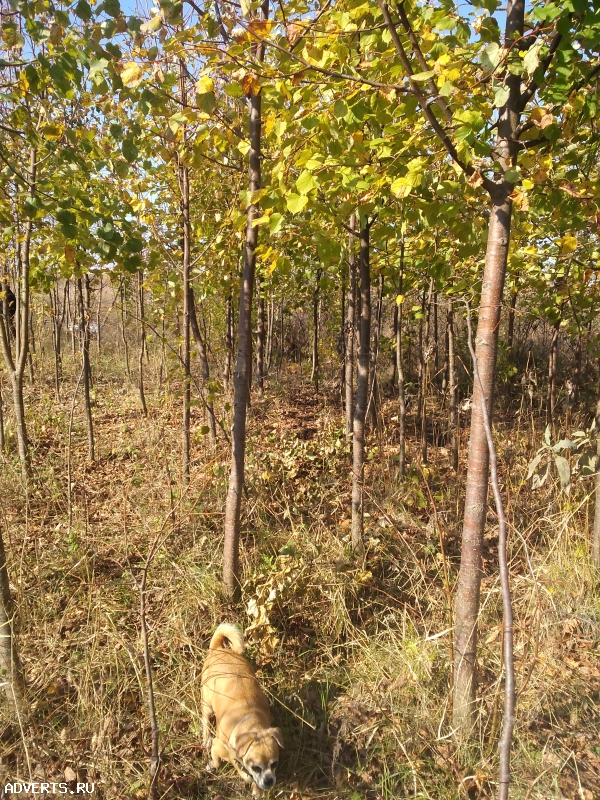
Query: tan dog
[{"x": 243, "y": 732}]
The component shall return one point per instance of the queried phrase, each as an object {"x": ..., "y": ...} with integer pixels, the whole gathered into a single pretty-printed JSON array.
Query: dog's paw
[
  {"x": 210, "y": 767},
  {"x": 256, "y": 791}
]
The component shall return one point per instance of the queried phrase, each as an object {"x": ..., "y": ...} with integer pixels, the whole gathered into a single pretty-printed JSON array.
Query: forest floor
[{"x": 355, "y": 655}]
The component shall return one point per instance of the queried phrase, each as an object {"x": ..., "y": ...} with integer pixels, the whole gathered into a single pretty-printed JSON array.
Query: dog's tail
[{"x": 228, "y": 633}]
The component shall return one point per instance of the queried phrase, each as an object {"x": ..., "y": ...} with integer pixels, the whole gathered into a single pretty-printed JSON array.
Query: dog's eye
[
  {"x": 274, "y": 764},
  {"x": 256, "y": 768}
]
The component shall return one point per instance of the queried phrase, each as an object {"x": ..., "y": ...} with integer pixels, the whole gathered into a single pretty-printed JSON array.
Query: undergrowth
[{"x": 355, "y": 655}]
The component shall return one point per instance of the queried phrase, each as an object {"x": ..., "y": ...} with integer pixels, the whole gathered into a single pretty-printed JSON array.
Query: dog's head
[{"x": 259, "y": 753}]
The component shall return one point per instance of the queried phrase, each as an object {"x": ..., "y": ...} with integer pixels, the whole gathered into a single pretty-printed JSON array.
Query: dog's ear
[
  {"x": 242, "y": 742},
  {"x": 277, "y": 735}
]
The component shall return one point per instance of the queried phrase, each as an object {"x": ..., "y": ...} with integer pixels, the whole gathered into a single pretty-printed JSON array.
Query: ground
[{"x": 354, "y": 654}]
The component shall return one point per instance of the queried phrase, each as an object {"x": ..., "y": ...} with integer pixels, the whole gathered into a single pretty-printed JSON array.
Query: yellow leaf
[
  {"x": 69, "y": 254},
  {"x": 205, "y": 85},
  {"x": 250, "y": 85},
  {"x": 131, "y": 75},
  {"x": 152, "y": 25},
  {"x": 399, "y": 299},
  {"x": 568, "y": 244}
]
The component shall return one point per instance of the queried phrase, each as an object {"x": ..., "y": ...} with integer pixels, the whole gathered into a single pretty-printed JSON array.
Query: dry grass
[{"x": 355, "y": 655}]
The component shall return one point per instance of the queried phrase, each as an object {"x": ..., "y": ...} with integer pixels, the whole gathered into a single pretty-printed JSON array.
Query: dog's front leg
[
  {"x": 256, "y": 790},
  {"x": 206, "y": 716}
]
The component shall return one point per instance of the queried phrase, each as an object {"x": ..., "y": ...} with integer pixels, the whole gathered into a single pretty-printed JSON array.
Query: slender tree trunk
[
  {"x": 10, "y": 664},
  {"x": 373, "y": 403},
  {"x": 452, "y": 389},
  {"x": 350, "y": 329},
  {"x": 400, "y": 371},
  {"x": 184, "y": 186},
  {"x": 2, "y": 438},
  {"x": 142, "y": 343},
  {"x": 228, "y": 339},
  {"x": 362, "y": 390},
  {"x": 85, "y": 356},
  {"x": 260, "y": 340},
  {"x": 552, "y": 366},
  {"x": 231, "y": 567},
  {"x": 99, "y": 316},
  {"x": 270, "y": 324},
  {"x": 499, "y": 228},
  {"x": 596, "y": 539},
  {"x": 577, "y": 371},
  {"x": 314, "y": 375},
  {"x": 16, "y": 367},
  {"x": 427, "y": 352},
  {"x": 469, "y": 580},
  {"x": 205, "y": 370},
  {"x": 123, "y": 328},
  {"x": 510, "y": 335}
]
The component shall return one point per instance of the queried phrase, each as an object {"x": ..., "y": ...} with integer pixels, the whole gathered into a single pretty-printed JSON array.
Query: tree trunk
[
  {"x": 469, "y": 579},
  {"x": 231, "y": 567},
  {"x": 142, "y": 342},
  {"x": 373, "y": 404},
  {"x": 596, "y": 539},
  {"x": 228, "y": 339},
  {"x": 123, "y": 327},
  {"x": 400, "y": 371},
  {"x": 499, "y": 227},
  {"x": 270, "y": 325},
  {"x": 85, "y": 356},
  {"x": 16, "y": 367},
  {"x": 552, "y": 365},
  {"x": 510, "y": 335},
  {"x": 452, "y": 389},
  {"x": 204, "y": 368},
  {"x": 314, "y": 375},
  {"x": 10, "y": 665},
  {"x": 350, "y": 330},
  {"x": 362, "y": 390},
  {"x": 184, "y": 186},
  {"x": 260, "y": 341},
  {"x": 427, "y": 352},
  {"x": 2, "y": 438}
]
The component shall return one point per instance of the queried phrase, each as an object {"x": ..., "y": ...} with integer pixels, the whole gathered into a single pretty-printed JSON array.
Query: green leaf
[
  {"x": 422, "y": 76},
  {"x": 129, "y": 150},
  {"x": 306, "y": 182},
  {"x": 275, "y": 222},
  {"x": 501, "y": 96},
  {"x": 564, "y": 473},
  {"x": 490, "y": 58},
  {"x": 340, "y": 109},
  {"x": 83, "y": 10},
  {"x": 296, "y": 203}
]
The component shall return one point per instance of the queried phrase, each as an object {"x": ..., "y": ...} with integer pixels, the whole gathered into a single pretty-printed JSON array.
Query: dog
[{"x": 232, "y": 695}]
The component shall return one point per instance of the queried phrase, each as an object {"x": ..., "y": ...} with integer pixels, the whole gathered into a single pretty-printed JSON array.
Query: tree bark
[
  {"x": 596, "y": 539},
  {"x": 16, "y": 367},
  {"x": 400, "y": 371},
  {"x": 231, "y": 564},
  {"x": 373, "y": 403},
  {"x": 426, "y": 350},
  {"x": 10, "y": 664},
  {"x": 314, "y": 375},
  {"x": 552, "y": 366},
  {"x": 204, "y": 368},
  {"x": 362, "y": 389},
  {"x": 452, "y": 389},
  {"x": 142, "y": 343},
  {"x": 228, "y": 339},
  {"x": 350, "y": 329},
  {"x": 85, "y": 356},
  {"x": 260, "y": 340},
  {"x": 510, "y": 335},
  {"x": 186, "y": 230}
]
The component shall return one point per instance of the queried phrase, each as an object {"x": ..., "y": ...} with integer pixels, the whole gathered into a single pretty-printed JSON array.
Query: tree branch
[{"x": 440, "y": 102}]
